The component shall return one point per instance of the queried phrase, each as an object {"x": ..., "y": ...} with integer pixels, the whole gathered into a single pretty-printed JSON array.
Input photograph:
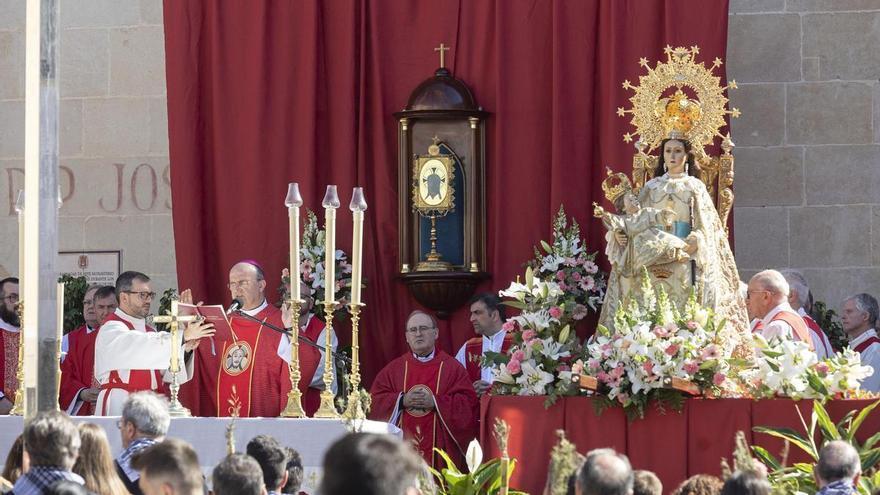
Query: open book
[{"x": 212, "y": 314}]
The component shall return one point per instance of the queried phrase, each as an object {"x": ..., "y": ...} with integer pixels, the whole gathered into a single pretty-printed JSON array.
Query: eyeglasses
[
  {"x": 420, "y": 329},
  {"x": 240, "y": 284},
  {"x": 749, "y": 293},
  {"x": 11, "y": 297},
  {"x": 144, "y": 295}
]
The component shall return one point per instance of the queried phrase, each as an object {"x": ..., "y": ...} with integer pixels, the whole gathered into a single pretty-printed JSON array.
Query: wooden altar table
[{"x": 675, "y": 445}]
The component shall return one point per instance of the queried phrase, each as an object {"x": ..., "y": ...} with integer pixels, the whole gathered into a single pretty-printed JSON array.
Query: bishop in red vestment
[
  {"x": 247, "y": 374},
  {"x": 9, "y": 341},
  {"x": 428, "y": 394}
]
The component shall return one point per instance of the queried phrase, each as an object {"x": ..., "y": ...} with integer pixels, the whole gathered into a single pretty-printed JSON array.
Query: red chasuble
[
  {"x": 312, "y": 396},
  {"x": 78, "y": 370},
  {"x": 8, "y": 362},
  {"x": 473, "y": 354},
  {"x": 451, "y": 426}
]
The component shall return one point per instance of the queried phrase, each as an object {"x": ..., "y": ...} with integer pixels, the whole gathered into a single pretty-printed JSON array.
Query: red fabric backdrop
[{"x": 265, "y": 93}]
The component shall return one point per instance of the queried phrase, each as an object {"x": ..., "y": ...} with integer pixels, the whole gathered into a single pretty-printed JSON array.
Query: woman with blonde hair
[{"x": 95, "y": 464}]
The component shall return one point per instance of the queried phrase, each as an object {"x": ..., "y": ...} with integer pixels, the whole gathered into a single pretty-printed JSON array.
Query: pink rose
[
  {"x": 691, "y": 367},
  {"x": 648, "y": 367},
  {"x": 514, "y": 367},
  {"x": 603, "y": 377},
  {"x": 718, "y": 379},
  {"x": 555, "y": 312},
  {"x": 518, "y": 355},
  {"x": 692, "y": 325},
  {"x": 508, "y": 326},
  {"x": 660, "y": 331},
  {"x": 822, "y": 368},
  {"x": 563, "y": 286},
  {"x": 622, "y": 398},
  {"x": 576, "y": 276},
  {"x": 618, "y": 372},
  {"x": 672, "y": 350},
  {"x": 593, "y": 364},
  {"x": 570, "y": 262},
  {"x": 560, "y": 275},
  {"x": 529, "y": 335}
]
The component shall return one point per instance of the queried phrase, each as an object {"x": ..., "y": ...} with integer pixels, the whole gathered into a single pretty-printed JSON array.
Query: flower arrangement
[
  {"x": 651, "y": 345},
  {"x": 562, "y": 285},
  {"x": 790, "y": 368},
  {"x": 312, "y": 269}
]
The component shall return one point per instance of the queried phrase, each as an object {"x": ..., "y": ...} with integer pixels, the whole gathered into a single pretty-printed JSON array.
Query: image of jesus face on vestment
[{"x": 237, "y": 358}]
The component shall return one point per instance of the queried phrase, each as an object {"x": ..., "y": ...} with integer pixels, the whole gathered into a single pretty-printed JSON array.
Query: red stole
[
  {"x": 78, "y": 369},
  {"x": 9, "y": 362},
  {"x": 798, "y": 326},
  {"x": 138, "y": 380},
  {"x": 473, "y": 355},
  {"x": 451, "y": 425},
  {"x": 867, "y": 343},
  {"x": 258, "y": 386}
]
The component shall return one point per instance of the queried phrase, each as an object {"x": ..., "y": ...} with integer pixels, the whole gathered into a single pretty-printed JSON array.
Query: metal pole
[{"x": 41, "y": 206}]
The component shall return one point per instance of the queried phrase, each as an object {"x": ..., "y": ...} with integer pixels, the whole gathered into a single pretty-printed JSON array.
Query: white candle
[
  {"x": 357, "y": 207},
  {"x": 293, "y": 203},
  {"x": 330, "y": 203},
  {"x": 60, "y": 312},
  {"x": 19, "y": 208}
]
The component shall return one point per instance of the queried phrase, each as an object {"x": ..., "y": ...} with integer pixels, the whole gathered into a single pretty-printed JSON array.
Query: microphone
[{"x": 234, "y": 306}]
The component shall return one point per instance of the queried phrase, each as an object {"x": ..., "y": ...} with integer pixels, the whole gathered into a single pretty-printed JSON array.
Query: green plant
[
  {"x": 169, "y": 295},
  {"x": 74, "y": 292},
  {"x": 799, "y": 476},
  {"x": 481, "y": 479},
  {"x": 830, "y": 323}
]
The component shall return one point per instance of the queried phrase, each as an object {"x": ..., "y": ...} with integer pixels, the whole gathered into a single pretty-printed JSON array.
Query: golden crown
[
  {"x": 658, "y": 115},
  {"x": 615, "y": 185}
]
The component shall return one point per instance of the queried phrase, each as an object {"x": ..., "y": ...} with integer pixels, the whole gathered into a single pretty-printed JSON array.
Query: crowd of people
[{"x": 55, "y": 456}]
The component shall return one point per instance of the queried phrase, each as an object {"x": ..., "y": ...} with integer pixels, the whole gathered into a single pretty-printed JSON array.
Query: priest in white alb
[{"x": 130, "y": 355}]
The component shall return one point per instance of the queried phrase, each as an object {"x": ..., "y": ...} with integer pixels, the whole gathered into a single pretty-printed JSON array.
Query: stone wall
[
  {"x": 114, "y": 133},
  {"x": 808, "y": 142},
  {"x": 808, "y": 150}
]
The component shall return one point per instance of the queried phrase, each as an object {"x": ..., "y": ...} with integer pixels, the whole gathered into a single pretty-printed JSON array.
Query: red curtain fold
[{"x": 265, "y": 93}]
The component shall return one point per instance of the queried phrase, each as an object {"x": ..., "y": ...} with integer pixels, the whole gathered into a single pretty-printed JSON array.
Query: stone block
[
  {"x": 131, "y": 234},
  {"x": 830, "y": 236},
  {"x": 764, "y": 48},
  {"x": 833, "y": 285},
  {"x": 11, "y": 64},
  {"x": 12, "y": 129},
  {"x": 13, "y": 14},
  {"x": 747, "y": 6},
  {"x": 762, "y": 122},
  {"x": 875, "y": 231},
  {"x": 151, "y": 12},
  {"x": 100, "y": 13},
  {"x": 11, "y": 180},
  {"x": 116, "y": 127},
  {"x": 830, "y": 5},
  {"x": 8, "y": 246},
  {"x": 137, "y": 61},
  {"x": 761, "y": 237},
  {"x": 159, "y": 126},
  {"x": 876, "y": 113},
  {"x": 846, "y": 44},
  {"x": 810, "y": 69},
  {"x": 769, "y": 177},
  {"x": 70, "y": 129},
  {"x": 117, "y": 186},
  {"x": 84, "y": 64},
  {"x": 838, "y": 175},
  {"x": 829, "y": 113},
  {"x": 70, "y": 234},
  {"x": 163, "y": 252}
]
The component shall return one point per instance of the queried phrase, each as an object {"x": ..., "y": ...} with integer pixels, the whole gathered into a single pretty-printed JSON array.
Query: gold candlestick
[
  {"x": 294, "y": 408},
  {"x": 354, "y": 407},
  {"x": 328, "y": 408},
  {"x": 175, "y": 408},
  {"x": 18, "y": 403}
]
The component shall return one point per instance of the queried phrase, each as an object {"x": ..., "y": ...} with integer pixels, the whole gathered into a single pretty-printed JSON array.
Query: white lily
[
  {"x": 534, "y": 379},
  {"x": 474, "y": 456},
  {"x": 551, "y": 263}
]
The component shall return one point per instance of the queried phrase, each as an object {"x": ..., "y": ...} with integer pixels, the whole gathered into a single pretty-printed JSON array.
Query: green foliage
[
  {"x": 485, "y": 479},
  {"x": 799, "y": 476},
  {"x": 74, "y": 292},
  {"x": 169, "y": 295},
  {"x": 828, "y": 321}
]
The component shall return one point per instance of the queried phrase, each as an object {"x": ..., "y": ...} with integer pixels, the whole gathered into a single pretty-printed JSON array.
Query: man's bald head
[
  {"x": 605, "y": 472},
  {"x": 421, "y": 332},
  {"x": 838, "y": 460},
  {"x": 247, "y": 282},
  {"x": 767, "y": 289}
]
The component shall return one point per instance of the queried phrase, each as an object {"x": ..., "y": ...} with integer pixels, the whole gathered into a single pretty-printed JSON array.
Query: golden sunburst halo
[{"x": 651, "y": 108}]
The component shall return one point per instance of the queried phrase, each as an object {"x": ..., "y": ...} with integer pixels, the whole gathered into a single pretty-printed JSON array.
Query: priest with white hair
[{"x": 767, "y": 298}]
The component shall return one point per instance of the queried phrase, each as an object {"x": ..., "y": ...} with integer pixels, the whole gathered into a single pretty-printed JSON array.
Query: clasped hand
[{"x": 418, "y": 399}]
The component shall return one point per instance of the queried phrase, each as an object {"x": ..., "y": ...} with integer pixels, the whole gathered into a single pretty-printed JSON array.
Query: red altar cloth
[{"x": 675, "y": 445}]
